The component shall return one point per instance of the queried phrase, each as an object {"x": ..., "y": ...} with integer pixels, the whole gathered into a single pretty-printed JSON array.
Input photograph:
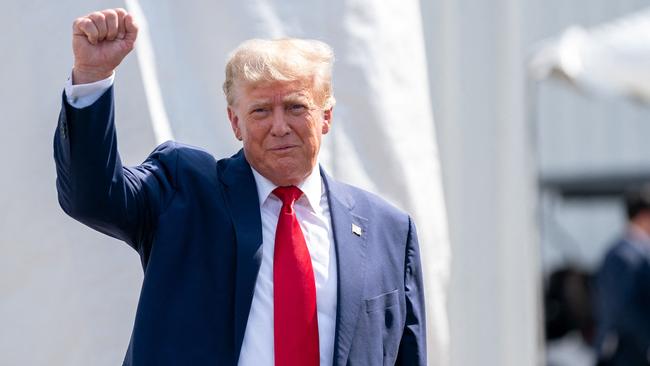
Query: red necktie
[{"x": 294, "y": 290}]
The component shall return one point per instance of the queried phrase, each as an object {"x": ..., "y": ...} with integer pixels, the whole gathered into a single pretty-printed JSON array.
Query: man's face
[{"x": 281, "y": 127}]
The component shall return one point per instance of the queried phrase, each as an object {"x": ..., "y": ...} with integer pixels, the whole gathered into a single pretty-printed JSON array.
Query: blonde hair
[{"x": 287, "y": 59}]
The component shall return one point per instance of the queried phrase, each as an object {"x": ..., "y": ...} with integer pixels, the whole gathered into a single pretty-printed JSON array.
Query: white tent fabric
[
  {"x": 69, "y": 294},
  {"x": 610, "y": 59}
]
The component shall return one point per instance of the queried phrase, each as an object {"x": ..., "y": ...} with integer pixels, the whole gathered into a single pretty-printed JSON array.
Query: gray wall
[
  {"x": 580, "y": 133},
  {"x": 490, "y": 157}
]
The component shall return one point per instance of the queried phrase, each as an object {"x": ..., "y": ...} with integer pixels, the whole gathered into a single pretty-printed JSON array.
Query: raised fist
[{"x": 100, "y": 41}]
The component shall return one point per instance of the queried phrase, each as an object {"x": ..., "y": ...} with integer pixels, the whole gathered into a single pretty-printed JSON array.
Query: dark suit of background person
[
  {"x": 623, "y": 291},
  {"x": 195, "y": 223}
]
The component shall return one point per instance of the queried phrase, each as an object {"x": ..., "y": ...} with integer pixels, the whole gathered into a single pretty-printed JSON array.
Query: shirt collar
[{"x": 311, "y": 187}]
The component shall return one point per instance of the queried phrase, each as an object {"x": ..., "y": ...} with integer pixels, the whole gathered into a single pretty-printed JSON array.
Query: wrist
[{"x": 87, "y": 76}]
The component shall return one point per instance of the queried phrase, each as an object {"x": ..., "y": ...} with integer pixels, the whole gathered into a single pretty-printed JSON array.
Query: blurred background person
[{"x": 622, "y": 298}]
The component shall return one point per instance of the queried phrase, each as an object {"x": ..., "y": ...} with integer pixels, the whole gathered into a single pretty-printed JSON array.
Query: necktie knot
[{"x": 288, "y": 195}]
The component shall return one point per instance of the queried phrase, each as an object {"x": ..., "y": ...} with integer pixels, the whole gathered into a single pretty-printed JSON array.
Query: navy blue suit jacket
[
  {"x": 196, "y": 225},
  {"x": 623, "y": 305}
]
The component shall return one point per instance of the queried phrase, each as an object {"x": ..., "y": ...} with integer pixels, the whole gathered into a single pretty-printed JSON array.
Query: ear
[
  {"x": 234, "y": 123},
  {"x": 327, "y": 120}
]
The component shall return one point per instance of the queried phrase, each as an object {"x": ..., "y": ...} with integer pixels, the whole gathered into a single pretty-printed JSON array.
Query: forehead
[{"x": 270, "y": 91}]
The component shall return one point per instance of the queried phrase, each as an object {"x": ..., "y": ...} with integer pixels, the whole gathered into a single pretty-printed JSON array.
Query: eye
[
  {"x": 297, "y": 109},
  {"x": 259, "y": 112}
]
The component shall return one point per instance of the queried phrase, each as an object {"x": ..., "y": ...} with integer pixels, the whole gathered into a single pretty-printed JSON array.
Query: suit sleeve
[
  {"x": 94, "y": 188},
  {"x": 412, "y": 349}
]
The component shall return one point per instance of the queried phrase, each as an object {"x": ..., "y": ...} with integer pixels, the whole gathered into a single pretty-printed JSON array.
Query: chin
[{"x": 289, "y": 177}]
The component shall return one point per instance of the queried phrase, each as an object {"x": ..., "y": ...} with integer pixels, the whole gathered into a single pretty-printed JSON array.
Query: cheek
[
  {"x": 312, "y": 128},
  {"x": 317, "y": 130},
  {"x": 311, "y": 141},
  {"x": 253, "y": 131}
]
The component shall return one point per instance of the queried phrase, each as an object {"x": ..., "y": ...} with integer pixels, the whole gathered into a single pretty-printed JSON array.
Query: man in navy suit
[
  {"x": 257, "y": 259},
  {"x": 623, "y": 290}
]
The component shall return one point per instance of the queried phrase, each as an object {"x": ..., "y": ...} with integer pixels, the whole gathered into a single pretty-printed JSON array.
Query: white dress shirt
[
  {"x": 313, "y": 213},
  {"x": 83, "y": 95}
]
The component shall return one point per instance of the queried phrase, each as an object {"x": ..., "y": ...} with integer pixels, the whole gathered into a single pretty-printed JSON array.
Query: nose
[{"x": 280, "y": 126}]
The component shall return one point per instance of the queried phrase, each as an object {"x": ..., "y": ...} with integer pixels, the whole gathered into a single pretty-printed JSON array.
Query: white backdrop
[{"x": 69, "y": 294}]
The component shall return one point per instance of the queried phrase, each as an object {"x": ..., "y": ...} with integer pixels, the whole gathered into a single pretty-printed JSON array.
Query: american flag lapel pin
[{"x": 356, "y": 229}]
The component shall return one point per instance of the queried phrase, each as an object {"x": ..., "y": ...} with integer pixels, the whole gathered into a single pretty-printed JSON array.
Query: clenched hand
[{"x": 100, "y": 41}]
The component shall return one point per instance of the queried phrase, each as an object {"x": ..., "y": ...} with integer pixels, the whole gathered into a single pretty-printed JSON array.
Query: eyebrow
[
  {"x": 293, "y": 97},
  {"x": 258, "y": 104}
]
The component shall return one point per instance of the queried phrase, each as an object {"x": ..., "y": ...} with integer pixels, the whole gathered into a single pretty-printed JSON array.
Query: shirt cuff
[{"x": 83, "y": 95}]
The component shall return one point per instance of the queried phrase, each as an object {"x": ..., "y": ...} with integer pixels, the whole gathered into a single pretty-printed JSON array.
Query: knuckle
[
  {"x": 84, "y": 24},
  {"x": 96, "y": 15},
  {"x": 109, "y": 13}
]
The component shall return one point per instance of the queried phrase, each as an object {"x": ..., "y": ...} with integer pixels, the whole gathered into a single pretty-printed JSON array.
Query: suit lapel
[
  {"x": 242, "y": 199},
  {"x": 349, "y": 231}
]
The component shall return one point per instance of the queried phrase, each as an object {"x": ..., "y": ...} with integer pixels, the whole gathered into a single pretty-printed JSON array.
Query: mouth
[{"x": 283, "y": 148}]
